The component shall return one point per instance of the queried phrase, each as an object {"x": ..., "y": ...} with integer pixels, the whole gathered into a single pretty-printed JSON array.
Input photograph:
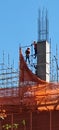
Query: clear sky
[{"x": 19, "y": 24}]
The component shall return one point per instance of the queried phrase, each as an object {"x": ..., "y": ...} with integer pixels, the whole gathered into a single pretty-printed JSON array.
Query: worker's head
[
  {"x": 28, "y": 48},
  {"x": 34, "y": 42}
]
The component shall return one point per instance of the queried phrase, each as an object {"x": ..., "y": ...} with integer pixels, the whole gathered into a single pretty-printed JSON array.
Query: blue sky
[{"x": 19, "y": 24}]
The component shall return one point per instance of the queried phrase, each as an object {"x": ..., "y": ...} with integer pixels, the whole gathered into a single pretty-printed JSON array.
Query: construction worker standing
[
  {"x": 27, "y": 52},
  {"x": 35, "y": 48}
]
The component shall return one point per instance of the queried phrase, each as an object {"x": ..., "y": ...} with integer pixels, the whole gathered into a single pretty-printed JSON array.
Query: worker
[
  {"x": 27, "y": 54},
  {"x": 35, "y": 48}
]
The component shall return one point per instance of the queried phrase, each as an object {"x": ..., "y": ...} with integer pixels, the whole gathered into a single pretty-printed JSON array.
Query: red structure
[{"x": 33, "y": 105}]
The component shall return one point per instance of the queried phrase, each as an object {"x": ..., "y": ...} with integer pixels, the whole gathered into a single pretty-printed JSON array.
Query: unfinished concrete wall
[{"x": 43, "y": 60}]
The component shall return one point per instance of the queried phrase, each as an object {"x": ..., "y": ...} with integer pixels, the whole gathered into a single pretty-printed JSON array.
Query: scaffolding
[
  {"x": 28, "y": 100},
  {"x": 25, "y": 97},
  {"x": 8, "y": 75}
]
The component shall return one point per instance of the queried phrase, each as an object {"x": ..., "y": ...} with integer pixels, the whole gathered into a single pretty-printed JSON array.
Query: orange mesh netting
[{"x": 41, "y": 94}]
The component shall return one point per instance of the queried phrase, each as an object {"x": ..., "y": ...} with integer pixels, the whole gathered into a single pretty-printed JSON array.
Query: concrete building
[{"x": 43, "y": 60}]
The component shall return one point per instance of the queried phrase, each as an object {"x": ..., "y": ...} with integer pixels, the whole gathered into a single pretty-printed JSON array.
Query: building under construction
[{"x": 30, "y": 101}]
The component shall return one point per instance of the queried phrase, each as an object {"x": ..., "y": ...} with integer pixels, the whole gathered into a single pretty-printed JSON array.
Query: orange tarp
[
  {"x": 37, "y": 92},
  {"x": 32, "y": 92}
]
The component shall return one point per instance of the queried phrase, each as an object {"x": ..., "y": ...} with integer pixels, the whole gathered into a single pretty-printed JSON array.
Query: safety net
[{"x": 37, "y": 93}]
